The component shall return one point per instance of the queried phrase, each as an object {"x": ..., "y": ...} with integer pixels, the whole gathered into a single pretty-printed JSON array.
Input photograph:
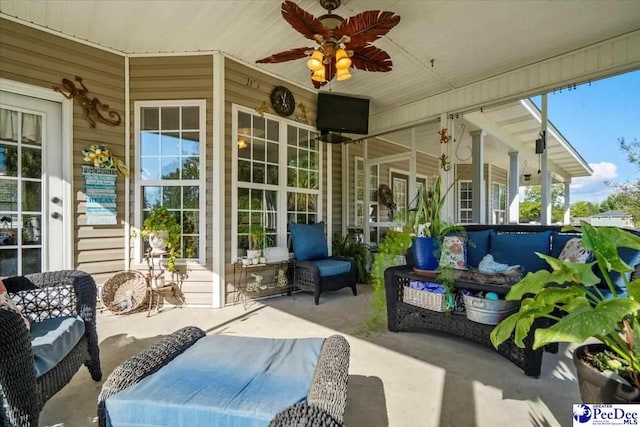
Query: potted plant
[
  {"x": 577, "y": 309},
  {"x": 428, "y": 227},
  {"x": 349, "y": 245},
  {"x": 163, "y": 233},
  {"x": 256, "y": 241}
]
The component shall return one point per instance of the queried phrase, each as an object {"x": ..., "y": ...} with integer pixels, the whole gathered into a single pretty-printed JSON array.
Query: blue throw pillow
[
  {"x": 309, "y": 241},
  {"x": 632, "y": 258},
  {"x": 519, "y": 248},
  {"x": 477, "y": 246}
]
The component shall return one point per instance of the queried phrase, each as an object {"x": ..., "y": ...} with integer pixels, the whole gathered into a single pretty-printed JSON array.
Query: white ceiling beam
[{"x": 614, "y": 56}]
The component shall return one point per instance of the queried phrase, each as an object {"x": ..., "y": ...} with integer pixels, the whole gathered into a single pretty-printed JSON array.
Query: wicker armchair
[
  {"x": 43, "y": 296},
  {"x": 315, "y": 270}
]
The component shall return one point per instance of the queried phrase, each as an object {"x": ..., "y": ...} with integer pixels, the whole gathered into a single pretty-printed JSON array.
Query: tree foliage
[{"x": 530, "y": 207}]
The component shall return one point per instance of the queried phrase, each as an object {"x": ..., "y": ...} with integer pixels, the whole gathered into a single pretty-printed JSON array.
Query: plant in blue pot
[{"x": 428, "y": 227}]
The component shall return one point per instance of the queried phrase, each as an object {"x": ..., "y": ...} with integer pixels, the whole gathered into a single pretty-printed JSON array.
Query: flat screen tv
[{"x": 342, "y": 113}]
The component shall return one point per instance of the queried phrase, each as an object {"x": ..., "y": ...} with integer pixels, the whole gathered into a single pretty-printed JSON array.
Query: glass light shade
[
  {"x": 343, "y": 74},
  {"x": 318, "y": 75},
  {"x": 242, "y": 144},
  {"x": 315, "y": 61},
  {"x": 342, "y": 59}
]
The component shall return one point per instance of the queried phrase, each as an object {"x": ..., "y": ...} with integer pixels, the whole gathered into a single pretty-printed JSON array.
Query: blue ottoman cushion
[
  {"x": 53, "y": 339},
  {"x": 223, "y": 381},
  {"x": 519, "y": 248},
  {"x": 331, "y": 267},
  {"x": 309, "y": 241}
]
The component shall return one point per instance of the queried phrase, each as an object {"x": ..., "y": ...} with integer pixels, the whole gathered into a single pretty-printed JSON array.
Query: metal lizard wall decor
[{"x": 91, "y": 106}]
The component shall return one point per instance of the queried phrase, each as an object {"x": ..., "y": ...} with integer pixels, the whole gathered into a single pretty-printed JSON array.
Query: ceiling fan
[{"x": 342, "y": 42}]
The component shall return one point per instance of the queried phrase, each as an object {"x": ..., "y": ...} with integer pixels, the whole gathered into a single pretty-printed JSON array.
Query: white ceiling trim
[{"x": 607, "y": 58}]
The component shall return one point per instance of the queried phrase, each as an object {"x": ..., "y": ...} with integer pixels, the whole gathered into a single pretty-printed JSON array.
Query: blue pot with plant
[{"x": 429, "y": 228}]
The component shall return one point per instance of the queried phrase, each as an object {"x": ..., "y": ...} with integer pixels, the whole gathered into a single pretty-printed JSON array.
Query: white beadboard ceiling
[{"x": 468, "y": 41}]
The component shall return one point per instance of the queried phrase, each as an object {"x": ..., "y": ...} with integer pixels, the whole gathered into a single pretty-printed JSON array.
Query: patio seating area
[{"x": 417, "y": 379}]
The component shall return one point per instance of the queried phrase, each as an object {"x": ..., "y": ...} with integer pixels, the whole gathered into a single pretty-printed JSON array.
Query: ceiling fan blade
[
  {"x": 371, "y": 58},
  {"x": 302, "y": 21},
  {"x": 367, "y": 27},
  {"x": 287, "y": 55}
]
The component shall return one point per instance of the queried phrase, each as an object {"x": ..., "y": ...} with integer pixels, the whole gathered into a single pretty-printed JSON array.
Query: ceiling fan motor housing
[{"x": 330, "y": 4}]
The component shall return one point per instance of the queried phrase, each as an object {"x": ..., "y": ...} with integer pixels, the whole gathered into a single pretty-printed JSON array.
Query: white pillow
[
  {"x": 453, "y": 252},
  {"x": 574, "y": 252}
]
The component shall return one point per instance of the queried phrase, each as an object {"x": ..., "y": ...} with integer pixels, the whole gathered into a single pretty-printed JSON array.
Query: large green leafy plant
[
  {"x": 568, "y": 295},
  {"x": 426, "y": 219}
]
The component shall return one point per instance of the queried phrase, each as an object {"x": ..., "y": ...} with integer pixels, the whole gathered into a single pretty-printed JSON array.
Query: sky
[{"x": 593, "y": 117}]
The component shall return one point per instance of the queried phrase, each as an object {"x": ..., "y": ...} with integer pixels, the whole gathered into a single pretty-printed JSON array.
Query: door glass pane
[{"x": 20, "y": 193}]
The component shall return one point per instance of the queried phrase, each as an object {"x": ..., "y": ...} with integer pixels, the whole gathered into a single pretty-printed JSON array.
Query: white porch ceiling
[{"x": 468, "y": 40}]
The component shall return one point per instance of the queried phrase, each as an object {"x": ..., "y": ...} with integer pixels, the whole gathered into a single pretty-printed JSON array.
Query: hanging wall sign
[{"x": 100, "y": 190}]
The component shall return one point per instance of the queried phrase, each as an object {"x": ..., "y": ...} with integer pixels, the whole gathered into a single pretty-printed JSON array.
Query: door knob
[
  {"x": 55, "y": 200},
  {"x": 56, "y": 215}
]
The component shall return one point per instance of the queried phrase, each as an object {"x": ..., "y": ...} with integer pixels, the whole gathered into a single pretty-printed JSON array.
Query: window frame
[
  {"x": 460, "y": 199},
  {"x": 200, "y": 182},
  {"x": 500, "y": 210},
  {"x": 282, "y": 188}
]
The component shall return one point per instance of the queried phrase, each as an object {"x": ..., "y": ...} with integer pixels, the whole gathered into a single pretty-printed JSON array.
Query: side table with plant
[
  {"x": 578, "y": 309},
  {"x": 163, "y": 231}
]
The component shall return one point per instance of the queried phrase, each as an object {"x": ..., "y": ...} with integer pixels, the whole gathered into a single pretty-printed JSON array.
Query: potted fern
[
  {"x": 578, "y": 309},
  {"x": 163, "y": 233}
]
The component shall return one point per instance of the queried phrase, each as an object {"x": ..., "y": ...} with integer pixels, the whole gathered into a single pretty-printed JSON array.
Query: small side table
[
  {"x": 157, "y": 291},
  {"x": 243, "y": 283}
]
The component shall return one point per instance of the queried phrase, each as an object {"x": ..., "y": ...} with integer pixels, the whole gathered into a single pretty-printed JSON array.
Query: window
[
  {"x": 465, "y": 202},
  {"x": 276, "y": 176},
  {"x": 359, "y": 192},
  {"x": 499, "y": 203},
  {"x": 170, "y": 167}
]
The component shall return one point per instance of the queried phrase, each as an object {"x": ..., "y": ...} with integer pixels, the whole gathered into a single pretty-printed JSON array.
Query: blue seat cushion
[
  {"x": 477, "y": 246},
  {"x": 53, "y": 339},
  {"x": 331, "y": 267},
  {"x": 309, "y": 241},
  {"x": 223, "y": 381},
  {"x": 519, "y": 248}
]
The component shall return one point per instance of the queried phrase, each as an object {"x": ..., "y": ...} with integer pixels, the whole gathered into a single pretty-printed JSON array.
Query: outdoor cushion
[
  {"x": 309, "y": 241},
  {"x": 477, "y": 246},
  {"x": 453, "y": 252},
  {"x": 519, "y": 248},
  {"x": 53, "y": 339},
  {"x": 224, "y": 381},
  {"x": 632, "y": 258},
  {"x": 574, "y": 252},
  {"x": 331, "y": 267}
]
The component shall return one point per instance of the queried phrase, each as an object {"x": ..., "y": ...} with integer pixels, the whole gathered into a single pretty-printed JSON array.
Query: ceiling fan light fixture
[
  {"x": 318, "y": 75},
  {"x": 331, "y": 21},
  {"x": 343, "y": 74},
  {"x": 342, "y": 59},
  {"x": 315, "y": 61}
]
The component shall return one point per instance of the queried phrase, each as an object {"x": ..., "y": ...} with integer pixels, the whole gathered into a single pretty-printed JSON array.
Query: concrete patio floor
[{"x": 395, "y": 379}]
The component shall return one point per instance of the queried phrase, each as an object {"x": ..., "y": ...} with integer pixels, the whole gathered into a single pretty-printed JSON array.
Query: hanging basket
[{"x": 125, "y": 292}]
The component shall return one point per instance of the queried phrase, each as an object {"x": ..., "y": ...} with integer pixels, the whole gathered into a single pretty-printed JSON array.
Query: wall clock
[{"x": 282, "y": 101}]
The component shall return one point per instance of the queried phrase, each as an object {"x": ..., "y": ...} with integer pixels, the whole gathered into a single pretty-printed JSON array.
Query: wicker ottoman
[{"x": 189, "y": 379}]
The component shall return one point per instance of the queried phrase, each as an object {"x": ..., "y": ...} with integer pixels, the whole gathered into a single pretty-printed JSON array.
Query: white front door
[{"x": 31, "y": 185}]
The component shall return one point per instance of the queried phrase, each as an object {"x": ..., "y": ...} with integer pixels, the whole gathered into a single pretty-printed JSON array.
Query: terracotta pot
[{"x": 595, "y": 386}]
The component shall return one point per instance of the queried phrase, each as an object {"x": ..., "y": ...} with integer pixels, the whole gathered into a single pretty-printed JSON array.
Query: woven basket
[
  {"x": 125, "y": 292},
  {"x": 424, "y": 299}
]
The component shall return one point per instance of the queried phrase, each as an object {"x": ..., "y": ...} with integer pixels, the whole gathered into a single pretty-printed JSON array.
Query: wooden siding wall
[
  {"x": 426, "y": 165},
  {"x": 176, "y": 78},
  {"x": 42, "y": 59},
  {"x": 248, "y": 87}
]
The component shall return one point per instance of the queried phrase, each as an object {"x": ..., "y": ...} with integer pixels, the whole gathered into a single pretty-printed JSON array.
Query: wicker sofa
[
  {"x": 408, "y": 317},
  {"x": 45, "y": 298},
  {"x": 325, "y": 402}
]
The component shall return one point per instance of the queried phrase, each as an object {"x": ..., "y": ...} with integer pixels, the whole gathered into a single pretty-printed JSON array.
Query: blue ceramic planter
[{"x": 426, "y": 253}]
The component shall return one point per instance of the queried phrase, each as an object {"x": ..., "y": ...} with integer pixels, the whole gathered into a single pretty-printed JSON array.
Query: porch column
[
  {"x": 567, "y": 203},
  {"x": 514, "y": 185},
  {"x": 545, "y": 178},
  {"x": 413, "y": 167},
  {"x": 477, "y": 184},
  {"x": 447, "y": 213}
]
